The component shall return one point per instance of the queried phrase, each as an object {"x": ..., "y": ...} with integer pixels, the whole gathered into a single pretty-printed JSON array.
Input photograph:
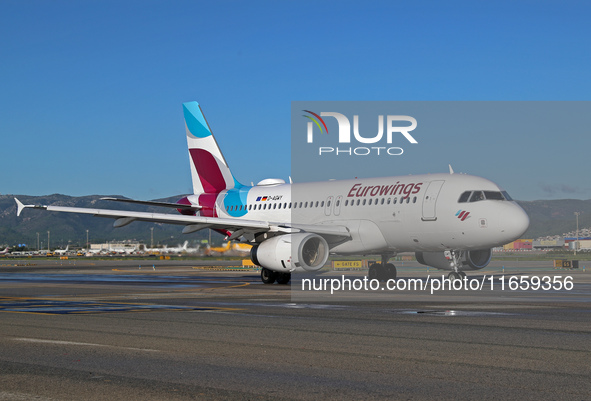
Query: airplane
[
  {"x": 120, "y": 250},
  {"x": 450, "y": 221},
  {"x": 166, "y": 249},
  {"x": 5, "y": 251},
  {"x": 61, "y": 251},
  {"x": 94, "y": 252},
  {"x": 196, "y": 249},
  {"x": 230, "y": 247},
  {"x": 151, "y": 250},
  {"x": 177, "y": 249},
  {"x": 240, "y": 247},
  {"x": 217, "y": 249}
]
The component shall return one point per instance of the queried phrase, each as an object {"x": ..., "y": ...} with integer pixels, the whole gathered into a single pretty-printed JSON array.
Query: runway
[{"x": 173, "y": 330}]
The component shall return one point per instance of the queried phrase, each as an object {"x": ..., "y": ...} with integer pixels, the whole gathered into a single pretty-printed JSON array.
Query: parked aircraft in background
[
  {"x": 61, "y": 252},
  {"x": 229, "y": 248},
  {"x": 94, "y": 252},
  {"x": 451, "y": 221},
  {"x": 177, "y": 249},
  {"x": 166, "y": 249},
  {"x": 5, "y": 251},
  {"x": 196, "y": 249}
]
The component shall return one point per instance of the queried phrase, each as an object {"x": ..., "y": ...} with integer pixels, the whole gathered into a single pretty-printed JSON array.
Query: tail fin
[{"x": 209, "y": 169}]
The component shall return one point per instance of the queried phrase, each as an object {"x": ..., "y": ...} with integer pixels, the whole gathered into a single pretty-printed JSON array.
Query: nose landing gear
[
  {"x": 456, "y": 275},
  {"x": 455, "y": 258}
]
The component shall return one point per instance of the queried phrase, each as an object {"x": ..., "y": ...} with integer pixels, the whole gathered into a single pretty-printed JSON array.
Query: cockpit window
[
  {"x": 493, "y": 195},
  {"x": 464, "y": 197},
  {"x": 477, "y": 196}
]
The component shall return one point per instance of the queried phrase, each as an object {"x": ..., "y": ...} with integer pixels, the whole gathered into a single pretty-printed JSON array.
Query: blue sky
[{"x": 90, "y": 101}]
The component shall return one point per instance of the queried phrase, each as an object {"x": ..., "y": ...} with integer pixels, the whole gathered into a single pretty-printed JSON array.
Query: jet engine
[
  {"x": 471, "y": 260},
  {"x": 289, "y": 252}
]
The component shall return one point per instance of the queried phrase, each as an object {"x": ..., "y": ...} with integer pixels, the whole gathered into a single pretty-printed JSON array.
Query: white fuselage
[{"x": 389, "y": 214}]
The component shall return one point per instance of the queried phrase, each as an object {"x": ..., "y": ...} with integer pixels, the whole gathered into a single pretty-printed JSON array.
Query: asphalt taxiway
[{"x": 98, "y": 330}]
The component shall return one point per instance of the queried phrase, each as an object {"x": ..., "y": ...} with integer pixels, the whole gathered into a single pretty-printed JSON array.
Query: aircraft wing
[
  {"x": 334, "y": 235},
  {"x": 124, "y": 217},
  {"x": 237, "y": 227}
]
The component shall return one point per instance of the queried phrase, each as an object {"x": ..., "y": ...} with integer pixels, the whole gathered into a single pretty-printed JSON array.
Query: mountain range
[{"x": 71, "y": 227}]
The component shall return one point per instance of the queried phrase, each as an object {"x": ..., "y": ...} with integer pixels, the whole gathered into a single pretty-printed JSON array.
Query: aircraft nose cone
[{"x": 515, "y": 222}]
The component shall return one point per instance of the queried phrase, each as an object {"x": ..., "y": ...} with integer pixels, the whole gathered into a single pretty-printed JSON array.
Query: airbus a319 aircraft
[{"x": 451, "y": 221}]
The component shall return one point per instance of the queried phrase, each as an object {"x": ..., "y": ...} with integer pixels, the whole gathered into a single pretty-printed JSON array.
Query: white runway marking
[
  {"x": 56, "y": 342},
  {"x": 21, "y": 397}
]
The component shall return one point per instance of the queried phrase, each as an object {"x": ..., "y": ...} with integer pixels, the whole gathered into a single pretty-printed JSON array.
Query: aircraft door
[
  {"x": 328, "y": 205},
  {"x": 337, "y": 205},
  {"x": 430, "y": 200}
]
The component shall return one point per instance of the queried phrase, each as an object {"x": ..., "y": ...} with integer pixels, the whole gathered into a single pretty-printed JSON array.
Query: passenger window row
[
  {"x": 315, "y": 204},
  {"x": 381, "y": 201}
]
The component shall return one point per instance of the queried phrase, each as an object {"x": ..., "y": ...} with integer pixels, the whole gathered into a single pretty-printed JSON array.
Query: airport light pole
[
  {"x": 87, "y": 243},
  {"x": 577, "y": 241},
  {"x": 152, "y": 237},
  {"x": 48, "y": 250},
  {"x": 37, "y": 242}
]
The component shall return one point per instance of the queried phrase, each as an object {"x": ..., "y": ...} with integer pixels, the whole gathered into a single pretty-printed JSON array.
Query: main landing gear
[
  {"x": 269, "y": 276},
  {"x": 382, "y": 271}
]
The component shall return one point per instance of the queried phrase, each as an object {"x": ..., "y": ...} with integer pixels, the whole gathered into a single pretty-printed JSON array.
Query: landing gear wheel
[
  {"x": 268, "y": 276},
  {"x": 390, "y": 271},
  {"x": 374, "y": 271},
  {"x": 283, "y": 278},
  {"x": 463, "y": 275},
  {"x": 454, "y": 276}
]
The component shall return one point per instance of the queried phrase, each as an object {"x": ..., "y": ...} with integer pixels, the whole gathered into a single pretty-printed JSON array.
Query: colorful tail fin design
[{"x": 209, "y": 169}]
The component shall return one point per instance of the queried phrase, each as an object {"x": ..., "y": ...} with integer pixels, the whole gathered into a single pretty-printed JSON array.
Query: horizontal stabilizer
[{"x": 155, "y": 203}]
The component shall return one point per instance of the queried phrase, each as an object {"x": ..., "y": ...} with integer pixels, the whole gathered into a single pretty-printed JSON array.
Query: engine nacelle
[
  {"x": 291, "y": 252},
  {"x": 471, "y": 260},
  {"x": 477, "y": 259}
]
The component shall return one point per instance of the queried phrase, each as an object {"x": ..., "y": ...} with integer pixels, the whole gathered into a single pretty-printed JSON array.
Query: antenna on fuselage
[{"x": 451, "y": 170}]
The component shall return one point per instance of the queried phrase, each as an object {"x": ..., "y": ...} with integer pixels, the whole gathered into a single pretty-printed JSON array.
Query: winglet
[{"x": 20, "y": 207}]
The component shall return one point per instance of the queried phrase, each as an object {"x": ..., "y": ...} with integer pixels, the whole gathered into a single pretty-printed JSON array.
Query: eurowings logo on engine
[
  {"x": 462, "y": 214},
  {"x": 391, "y": 127}
]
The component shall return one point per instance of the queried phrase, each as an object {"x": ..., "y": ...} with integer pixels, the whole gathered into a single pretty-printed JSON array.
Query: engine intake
[
  {"x": 291, "y": 252},
  {"x": 478, "y": 259}
]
